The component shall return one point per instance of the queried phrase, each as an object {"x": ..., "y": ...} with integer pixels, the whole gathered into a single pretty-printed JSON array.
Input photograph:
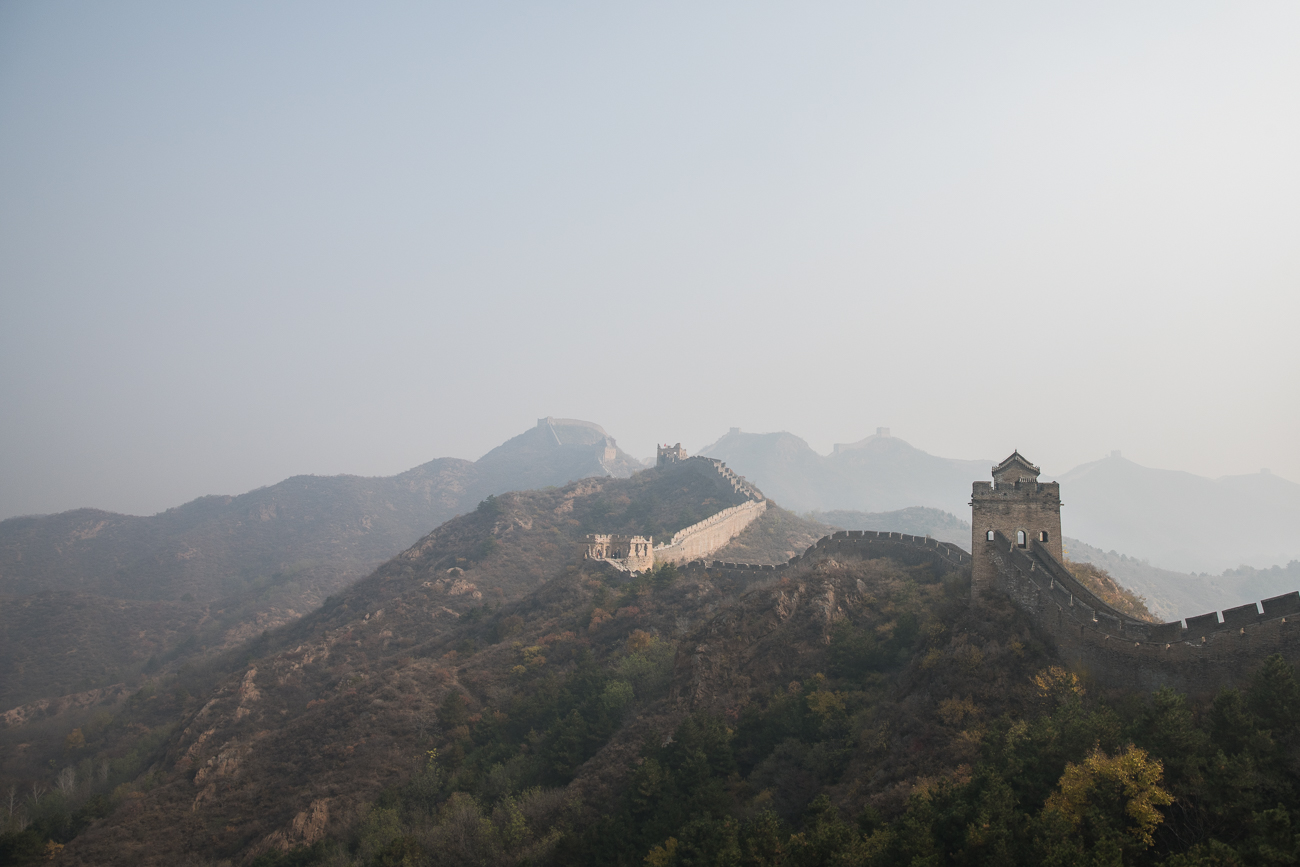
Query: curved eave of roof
[{"x": 1016, "y": 457}]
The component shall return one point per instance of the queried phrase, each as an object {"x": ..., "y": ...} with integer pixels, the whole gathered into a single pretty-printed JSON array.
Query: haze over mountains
[
  {"x": 1175, "y": 520},
  {"x": 494, "y": 598},
  {"x": 877, "y": 474},
  {"x": 496, "y": 602},
  {"x": 1182, "y": 521},
  {"x": 216, "y": 545},
  {"x": 93, "y": 597},
  {"x": 89, "y": 597}
]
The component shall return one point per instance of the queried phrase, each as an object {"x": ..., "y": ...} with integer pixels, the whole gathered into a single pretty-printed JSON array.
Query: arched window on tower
[
  {"x": 1042, "y": 535},
  {"x": 989, "y": 535},
  {"x": 1020, "y": 538}
]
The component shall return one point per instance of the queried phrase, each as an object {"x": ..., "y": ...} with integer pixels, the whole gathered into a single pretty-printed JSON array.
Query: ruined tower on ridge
[
  {"x": 1015, "y": 505},
  {"x": 670, "y": 455}
]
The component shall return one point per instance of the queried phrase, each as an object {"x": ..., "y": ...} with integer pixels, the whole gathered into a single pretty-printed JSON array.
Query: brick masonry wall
[
  {"x": 1005, "y": 508},
  {"x": 1206, "y": 654},
  {"x": 911, "y": 550},
  {"x": 738, "y": 484},
  {"x": 702, "y": 539},
  {"x": 1201, "y": 657}
]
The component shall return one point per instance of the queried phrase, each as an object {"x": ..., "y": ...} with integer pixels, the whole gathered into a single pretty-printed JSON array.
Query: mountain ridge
[
  {"x": 239, "y": 564},
  {"x": 1181, "y": 521}
]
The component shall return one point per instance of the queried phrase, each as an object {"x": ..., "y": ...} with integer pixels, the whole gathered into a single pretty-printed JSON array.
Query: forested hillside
[
  {"x": 94, "y": 598},
  {"x": 490, "y": 697}
]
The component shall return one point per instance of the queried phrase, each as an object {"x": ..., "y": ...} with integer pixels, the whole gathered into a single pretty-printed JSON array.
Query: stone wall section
[
  {"x": 1198, "y": 656},
  {"x": 633, "y": 553},
  {"x": 702, "y": 539},
  {"x": 1024, "y": 505},
  {"x": 867, "y": 544},
  {"x": 738, "y": 484}
]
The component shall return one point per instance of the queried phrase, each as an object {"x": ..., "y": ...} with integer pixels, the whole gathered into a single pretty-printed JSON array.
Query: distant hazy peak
[
  {"x": 1182, "y": 521},
  {"x": 737, "y": 437},
  {"x": 882, "y": 433},
  {"x": 554, "y": 423}
]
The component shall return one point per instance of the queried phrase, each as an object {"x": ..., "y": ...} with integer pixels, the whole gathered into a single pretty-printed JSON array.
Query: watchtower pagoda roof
[{"x": 1017, "y": 466}]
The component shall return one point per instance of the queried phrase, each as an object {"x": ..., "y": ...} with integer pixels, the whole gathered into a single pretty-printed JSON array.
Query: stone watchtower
[
  {"x": 1024, "y": 510},
  {"x": 670, "y": 455}
]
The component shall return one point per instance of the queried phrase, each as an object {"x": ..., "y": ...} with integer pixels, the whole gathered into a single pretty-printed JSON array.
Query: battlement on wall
[
  {"x": 862, "y": 543},
  {"x": 739, "y": 484},
  {"x": 1205, "y": 654},
  {"x": 627, "y": 553},
  {"x": 690, "y": 543},
  {"x": 703, "y": 538},
  {"x": 1016, "y": 538},
  {"x": 675, "y": 454}
]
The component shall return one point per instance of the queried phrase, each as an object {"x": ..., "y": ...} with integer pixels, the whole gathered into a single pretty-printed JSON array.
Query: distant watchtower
[
  {"x": 1021, "y": 508},
  {"x": 670, "y": 455}
]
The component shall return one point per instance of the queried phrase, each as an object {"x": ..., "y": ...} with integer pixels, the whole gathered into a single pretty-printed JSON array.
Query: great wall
[
  {"x": 1016, "y": 555},
  {"x": 700, "y": 540},
  {"x": 638, "y": 553}
]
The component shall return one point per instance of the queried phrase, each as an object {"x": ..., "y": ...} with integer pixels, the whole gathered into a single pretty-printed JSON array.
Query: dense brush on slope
[
  {"x": 490, "y": 698},
  {"x": 503, "y": 550},
  {"x": 1108, "y": 590},
  {"x": 237, "y": 565}
]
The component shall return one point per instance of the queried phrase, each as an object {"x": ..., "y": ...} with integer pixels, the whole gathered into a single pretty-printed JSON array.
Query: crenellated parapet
[
  {"x": 635, "y": 554},
  {"x": 1199, "y": 655},
  {"x": 866, "y": 544},
  {"x": 703, "y": 538},
  {"x": 627, "y": 553},
  {"x": 738, "y": 484},
  {"x": 1016, "y": 539}
]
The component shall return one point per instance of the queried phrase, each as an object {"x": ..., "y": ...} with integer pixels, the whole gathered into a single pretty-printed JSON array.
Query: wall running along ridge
[
  {"x": 1205, "y": 655},
  {"x": 699, "y": 539},
  {"x": 867, "y": 544},
  {"x": 702, "y": 539}
]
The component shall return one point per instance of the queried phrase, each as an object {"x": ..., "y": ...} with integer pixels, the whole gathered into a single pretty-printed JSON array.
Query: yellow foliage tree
[
  {"x": 1113, "y": 797},
  {"x": 663, "y": 855},
  {"x": 825, "y": 703},
  {"x": 1058, "y": 684},
  {"x": 74, "y": 741}
]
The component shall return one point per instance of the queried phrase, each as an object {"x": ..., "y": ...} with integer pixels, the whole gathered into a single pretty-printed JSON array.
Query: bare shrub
[{"x": 67, "y": 781}]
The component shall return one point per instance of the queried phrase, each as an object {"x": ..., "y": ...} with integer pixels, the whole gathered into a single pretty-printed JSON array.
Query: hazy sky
[{"x": 242, "y": 241}]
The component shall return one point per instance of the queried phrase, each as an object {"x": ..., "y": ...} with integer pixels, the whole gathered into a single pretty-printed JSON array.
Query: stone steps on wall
[{"x": 739, "y": 484}]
